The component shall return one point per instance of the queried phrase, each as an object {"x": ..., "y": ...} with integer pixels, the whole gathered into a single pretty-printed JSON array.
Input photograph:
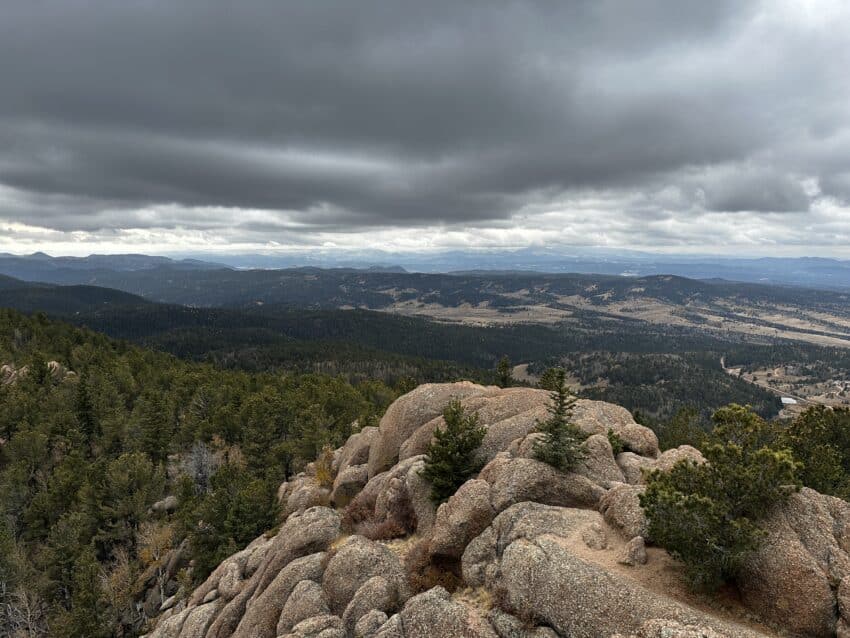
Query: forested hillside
[
  {"x": 656, "y": 369},
  {"x": 659, "y": 385},
  {"x": 653, "y": 344},
  {"x": 94, "y": 432}
]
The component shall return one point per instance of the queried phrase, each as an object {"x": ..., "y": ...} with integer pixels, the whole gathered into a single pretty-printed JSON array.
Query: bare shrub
[
  {"x": 384, "y": 530},
  {"x": 22, "y": 613},
  {"x": 359, "y": 517},
  {"x": 200, "y": 464},
  {"x": 424, "y": 574},
  {"x": 360, "y": 509},
  {"x": 324, "y": 467}
]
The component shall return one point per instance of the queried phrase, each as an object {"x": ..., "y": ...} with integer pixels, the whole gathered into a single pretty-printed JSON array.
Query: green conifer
[
  {"x": 707, "y": 514},
  {"x": 84, "y": 410},
  {"x": 451, "y": 459},
  {"x": 86, "y": 617},
  {"x": 505, "y": 372},
  {"x": 560, "y": 445}
]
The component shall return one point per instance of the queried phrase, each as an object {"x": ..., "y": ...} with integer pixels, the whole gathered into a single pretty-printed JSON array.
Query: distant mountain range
[
  {"x": 76, "y": 270},
  {"x": 809, "y": 272},
  {"x": 812, "y": 272}
]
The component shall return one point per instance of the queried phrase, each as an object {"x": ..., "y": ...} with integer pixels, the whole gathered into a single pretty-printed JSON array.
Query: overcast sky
[{"x": 670, "y": 125}]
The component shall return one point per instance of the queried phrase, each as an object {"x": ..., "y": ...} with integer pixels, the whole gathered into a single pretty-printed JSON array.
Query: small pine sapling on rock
[
  {"x": 560, "y": 445},
  {"x": 617, "y": 443},
  {"x": 451, "y": 458}
]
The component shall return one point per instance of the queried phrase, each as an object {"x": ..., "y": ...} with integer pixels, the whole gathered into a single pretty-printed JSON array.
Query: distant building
[{"x": 788, "y": 401}]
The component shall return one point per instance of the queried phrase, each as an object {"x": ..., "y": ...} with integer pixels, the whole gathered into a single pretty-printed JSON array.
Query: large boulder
[
  {"x": 306, "y": 600},
  {"x": 169, "y": 626},
  {"x": 392, "y": 628},
  {"x": 463, "y": 517},
  {"x": 167, "y": 505},
  {"x": 660, "y": 628},
  {"x": 520, "y": 521},
  {"x": 369, "y": 624},
  {"x": 408, "y": 413},
  {"x": 228, "y": 577},
  {"x": 376, "y": 594},
  {"x": 264, "y": 613},
  {"x": 395, "y": 499},
  {"x": 302, "y": 534},
  {"x": 671, "y": 457},
  {"x": 260, "y": 549},
  {"x": 57, "y": 371},
  {"x": 433, "y": 613},
  {"x": 598, "y": 463},
  {"x": 198, "y": 620},
  {"x": 633, "y": 466},
  {"x": 324, "y": 626},
  {"x": 510, "y": 414},
  {"x": 418, "y": 442},
  {"x": 621, "y": 508},
  {"x": 419, "y": 492},
  {"x": 598, "y": 417},
  {"x": 189, "y": 623},
  {"x": 355, "y": 451},
  {"x": 791, "y": 579},
  {"x": 508, "y": 626},
  {"x": 534, "y": 558},
  {"x": 356, "y": 561},
  {"x": 506, "y": 414},
  {"x": 513, "y": 480},
  {"x": 302, "y": 493},
  {"x": 8, "y": 374},
  {"x": 348, "y": 484}
]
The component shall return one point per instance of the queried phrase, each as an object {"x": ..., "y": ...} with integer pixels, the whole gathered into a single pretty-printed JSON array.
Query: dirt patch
[{"x": 664, "y": 576}]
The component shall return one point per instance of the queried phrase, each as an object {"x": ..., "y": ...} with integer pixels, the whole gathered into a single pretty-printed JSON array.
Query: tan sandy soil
[{"x": 664, "y": 576}]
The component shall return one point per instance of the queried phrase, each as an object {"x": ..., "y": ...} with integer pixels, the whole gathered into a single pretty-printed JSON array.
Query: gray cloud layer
[{"x": 297, "y": 122}]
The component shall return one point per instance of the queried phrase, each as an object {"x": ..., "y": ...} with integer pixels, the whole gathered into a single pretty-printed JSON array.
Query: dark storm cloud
[{"x": 339, "y": 116}]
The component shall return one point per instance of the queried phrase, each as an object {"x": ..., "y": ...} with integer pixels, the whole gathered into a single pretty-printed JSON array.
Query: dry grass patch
[
  {"x": 478, "y": 598},
  {"x": 401, "y": 546}
]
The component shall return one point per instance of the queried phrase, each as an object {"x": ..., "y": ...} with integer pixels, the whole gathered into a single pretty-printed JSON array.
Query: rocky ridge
[{"x": 522, "y": 550}]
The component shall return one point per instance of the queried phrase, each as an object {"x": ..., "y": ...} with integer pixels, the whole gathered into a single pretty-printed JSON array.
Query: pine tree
[
  {"x": 451, "y": 459},
  {"x": 560, "y": 445},
  {"x": 38, "y": 370},
  {"x": 549, "y": 379},
  {"x": 84, "y": 410},
  {"x": 8, "y": 555},
  {"x": 156, "y": 426},
  {"x": 708, "y": 514},
  {"x": 504, "y": 371},
  {"x": 85, "y": 619}
]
